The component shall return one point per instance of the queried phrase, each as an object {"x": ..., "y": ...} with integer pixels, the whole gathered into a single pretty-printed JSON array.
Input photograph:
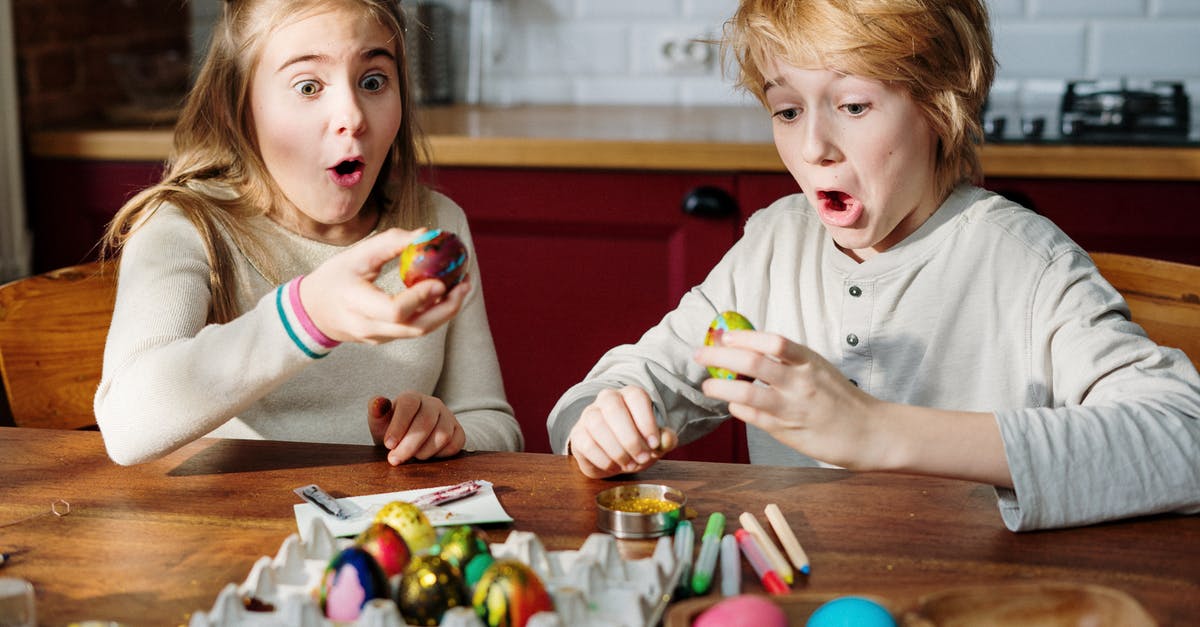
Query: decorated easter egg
[
  {"x": 509, "y": 593},
  {"x": 460, "y": 545},
  {"x": 725, "y": 321},
  {"x": 412, "y": 524},
  {"x": 743, "y": 610},
  {"x": 351, "y": 580},
  {"x": 846, "y": 611},
  {"x": 435, "y": 254},
  {"x": 428, "y": 587},
  {"x": 386, "y": 545}
]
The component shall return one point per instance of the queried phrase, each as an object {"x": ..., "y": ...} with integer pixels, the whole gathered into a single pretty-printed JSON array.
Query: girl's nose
[{"x": 349, "y": 117}]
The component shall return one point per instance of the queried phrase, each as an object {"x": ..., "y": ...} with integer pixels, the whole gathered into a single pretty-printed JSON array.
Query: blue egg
[{"x": 851, "y": 612}]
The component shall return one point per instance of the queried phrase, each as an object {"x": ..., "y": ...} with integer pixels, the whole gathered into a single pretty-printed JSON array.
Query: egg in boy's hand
[
  {"x": 725, "y": 321},
  {"x": 435, "y": 254}
]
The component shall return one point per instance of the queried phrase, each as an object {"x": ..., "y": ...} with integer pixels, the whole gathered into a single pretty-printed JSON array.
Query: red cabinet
[{"x": 576, "y": 262}]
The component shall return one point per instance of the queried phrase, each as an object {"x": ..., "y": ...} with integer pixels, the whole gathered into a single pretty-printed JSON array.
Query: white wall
[
  {"x": 15, "y": 240},
  {"x": 608, "y": 51}
]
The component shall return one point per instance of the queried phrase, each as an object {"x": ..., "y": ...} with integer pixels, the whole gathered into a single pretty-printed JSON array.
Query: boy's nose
[{"x": 818, "y": 146}]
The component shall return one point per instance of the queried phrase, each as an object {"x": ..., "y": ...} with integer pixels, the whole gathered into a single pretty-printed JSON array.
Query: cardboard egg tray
[{"x": 591, "y": 586}]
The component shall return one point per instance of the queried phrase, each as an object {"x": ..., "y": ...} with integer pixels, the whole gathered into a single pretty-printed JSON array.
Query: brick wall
[{"x": 63, "y": 50}]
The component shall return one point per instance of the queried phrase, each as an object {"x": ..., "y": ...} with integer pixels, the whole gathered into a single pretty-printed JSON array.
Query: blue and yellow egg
[
  {"x": 725, "y": 321},
  {"x": 435, "y": 254}
]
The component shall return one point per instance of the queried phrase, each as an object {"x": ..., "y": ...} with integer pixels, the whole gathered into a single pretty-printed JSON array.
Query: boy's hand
[
  {"x": 617, "y": 434},
  {"x": 414, "y": 426},
  {"x": 798, "y": 397},
  {"x": 341, "y": 297}
]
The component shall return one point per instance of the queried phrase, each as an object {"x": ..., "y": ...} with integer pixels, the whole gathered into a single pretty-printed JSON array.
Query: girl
[
  {"x": 271, "y": 242},
  {"x": 916, "y": 323}
]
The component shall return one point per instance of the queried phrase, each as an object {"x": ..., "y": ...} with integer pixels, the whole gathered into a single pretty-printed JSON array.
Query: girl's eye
[
  {"x": 787, "y": 115},
  {"x": 373, "y": 82},
  {"x": 307, "y": 88},
  {"x": 856, "y": 108}
]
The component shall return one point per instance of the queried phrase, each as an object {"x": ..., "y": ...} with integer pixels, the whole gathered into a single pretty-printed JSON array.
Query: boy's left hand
[
  {"x": 414, "y": 426},
  {"x": 798, "y": 397}
]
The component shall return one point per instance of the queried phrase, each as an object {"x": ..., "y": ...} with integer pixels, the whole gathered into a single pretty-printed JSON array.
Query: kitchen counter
[{"x": 706, "y": 139}]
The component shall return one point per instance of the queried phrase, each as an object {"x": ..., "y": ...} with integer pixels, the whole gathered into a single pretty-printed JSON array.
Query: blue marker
[
  {"x": 685, "y": 538},
  {"x": 731, "y": 566}
]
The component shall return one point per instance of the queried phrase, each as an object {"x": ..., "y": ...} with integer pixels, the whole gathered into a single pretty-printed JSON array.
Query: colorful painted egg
[
  {"x": 435, "y": 254},
  {"x": 351, "y": 580},
  {"x": 386, "y": 545},
  {"x": 428, "y": 587},
  {"x": 460, "y": 545},
  {"x": 509, "y": 593},
  {"x": 475, "y": 568},
  {"x": 725, "y": 321},
  {"x": 412, "y": 524}
]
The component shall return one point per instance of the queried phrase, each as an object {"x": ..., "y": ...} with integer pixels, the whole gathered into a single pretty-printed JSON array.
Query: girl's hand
[
  {"x": 798, "y": 397},
  {"x": 414, "y": 426},
  {"x": 342, "y": 299},
  {"x": 617, "y": 433}
]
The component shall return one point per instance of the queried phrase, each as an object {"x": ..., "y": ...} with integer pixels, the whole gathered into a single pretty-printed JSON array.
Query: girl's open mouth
[{"x": 347, "y": 173}]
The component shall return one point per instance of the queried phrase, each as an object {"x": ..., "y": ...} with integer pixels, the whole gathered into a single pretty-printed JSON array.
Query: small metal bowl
[{"x": 636, "y": 525}]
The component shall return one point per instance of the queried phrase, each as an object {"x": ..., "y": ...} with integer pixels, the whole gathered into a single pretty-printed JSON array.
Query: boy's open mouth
[{"x": 837, "y": 208}]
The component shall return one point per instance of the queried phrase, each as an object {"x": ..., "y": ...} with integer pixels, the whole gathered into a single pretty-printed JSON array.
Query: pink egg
[{"x": 744, "y": 610}]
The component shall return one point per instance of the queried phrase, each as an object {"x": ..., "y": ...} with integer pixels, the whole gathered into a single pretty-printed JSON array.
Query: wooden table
[{"x": 151, "y": 544}]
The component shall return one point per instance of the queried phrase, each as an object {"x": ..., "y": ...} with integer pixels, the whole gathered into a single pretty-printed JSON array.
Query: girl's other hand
[
  {"x": 343, "y": 301},
  {"x": 617, "y": 434},
  {"x": 414, "y": 426}
]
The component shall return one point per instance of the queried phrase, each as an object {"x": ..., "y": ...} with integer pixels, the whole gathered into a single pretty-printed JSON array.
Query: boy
[{"x": 910, "y": 322}]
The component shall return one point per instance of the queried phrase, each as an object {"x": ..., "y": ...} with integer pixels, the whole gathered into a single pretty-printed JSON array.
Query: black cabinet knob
[{"x": 709, "y": 202}]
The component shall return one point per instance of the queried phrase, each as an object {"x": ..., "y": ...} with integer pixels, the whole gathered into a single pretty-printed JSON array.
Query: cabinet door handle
[{"x": 709, "y": 202}]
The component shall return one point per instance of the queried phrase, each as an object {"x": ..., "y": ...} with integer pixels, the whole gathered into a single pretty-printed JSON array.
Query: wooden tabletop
[
  {"x": 151, "y": 544},
  {"x": 706, "y": 139}
]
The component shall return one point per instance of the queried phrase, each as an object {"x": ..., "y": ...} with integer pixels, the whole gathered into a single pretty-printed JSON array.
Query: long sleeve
[{"x": 170, "y": 378}]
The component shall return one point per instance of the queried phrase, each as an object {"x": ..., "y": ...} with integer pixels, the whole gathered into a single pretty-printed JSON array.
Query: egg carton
[{"x": 591, "y": 586}]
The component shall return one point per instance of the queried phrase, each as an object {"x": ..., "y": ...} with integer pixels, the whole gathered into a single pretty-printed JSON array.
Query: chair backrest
[
  {"x": 52, "y": 332},
  {"x": 1163, "y": 296}
]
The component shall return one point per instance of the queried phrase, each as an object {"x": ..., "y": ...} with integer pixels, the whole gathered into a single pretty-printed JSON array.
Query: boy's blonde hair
[
  {"x": 939, "y": 51},
  {"x": 215, "y": 143}
]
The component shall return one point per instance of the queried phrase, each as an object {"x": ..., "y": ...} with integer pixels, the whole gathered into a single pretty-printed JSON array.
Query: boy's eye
[
  {"x": 787, "y": 115},
  {"x": 307, "y": 88},
  {"x": 856, "y": 108},
  {"x": 374, "y": 82}
]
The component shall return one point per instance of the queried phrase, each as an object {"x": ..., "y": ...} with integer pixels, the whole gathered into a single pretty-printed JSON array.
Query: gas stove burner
[{"x": 1108, "y": 111}]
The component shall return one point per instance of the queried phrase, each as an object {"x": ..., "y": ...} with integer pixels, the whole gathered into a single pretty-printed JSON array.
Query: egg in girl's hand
[
  {"x": 428, "y": 588},
  {"x": 725, "y": 321},
  {"x": 386, "y": 545},
  {"x": 743, "y": 610},
  {"x": 846, "y": 611},
  {"x": 434, "y": 254},
  {"x": 351, "y": 579},
  {"x": 412, "y": 524},
  {"x": 509, "y": 593}
]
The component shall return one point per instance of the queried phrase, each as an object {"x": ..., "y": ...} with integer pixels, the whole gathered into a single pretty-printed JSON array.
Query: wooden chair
[
  {"x": 1163, "y": 296},
  {"x": 52, "y": 332}
]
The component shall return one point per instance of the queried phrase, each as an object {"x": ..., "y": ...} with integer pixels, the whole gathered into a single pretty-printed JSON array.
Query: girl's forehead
[{"x": 326, "y": 28}]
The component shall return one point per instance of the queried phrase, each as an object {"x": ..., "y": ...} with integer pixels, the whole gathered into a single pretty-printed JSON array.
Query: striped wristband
[{"x": 307, "y": 337}]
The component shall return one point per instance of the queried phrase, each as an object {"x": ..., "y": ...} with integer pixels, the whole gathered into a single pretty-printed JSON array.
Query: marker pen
[
  {"x": 769, "y": 578},
  {"x": 710, "y": 547}
]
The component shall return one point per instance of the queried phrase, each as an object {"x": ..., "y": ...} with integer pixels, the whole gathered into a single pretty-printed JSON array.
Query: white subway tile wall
[{"x": 637, "y": 51}]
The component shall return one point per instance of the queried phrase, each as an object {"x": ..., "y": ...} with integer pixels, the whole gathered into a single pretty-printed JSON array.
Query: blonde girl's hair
[
  {"x": 939, "y": 51},
  {"x": 215, "y": 143}
]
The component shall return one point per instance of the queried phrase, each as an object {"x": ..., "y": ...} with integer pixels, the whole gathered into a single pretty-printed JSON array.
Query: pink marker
[
  {"x": 769, "y": 578},
  {"x": 445, "y": 495}
]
